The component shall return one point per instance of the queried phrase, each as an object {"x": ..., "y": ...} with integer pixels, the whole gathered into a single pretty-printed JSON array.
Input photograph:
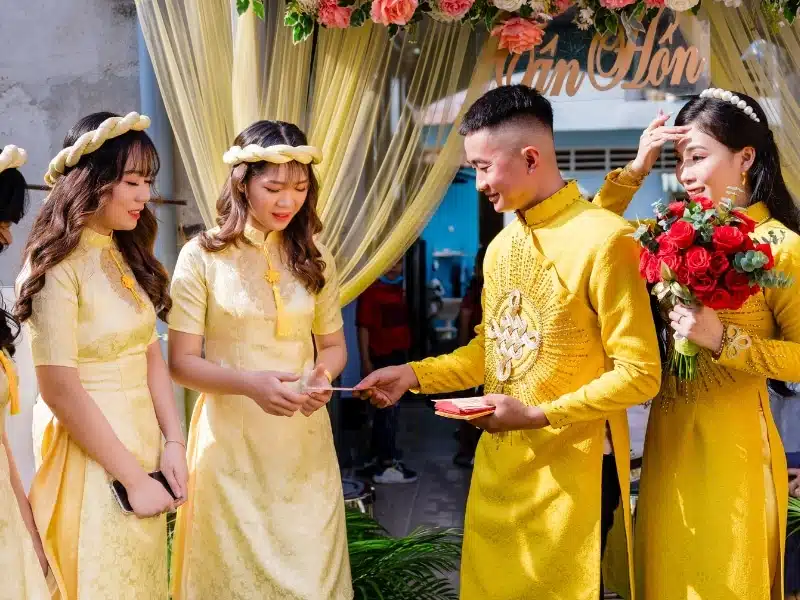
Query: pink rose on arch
[
  {"x": 518, "y": 35},
  {"x": 616, "y": 4},
  {"x": 654, "y": 3},
  {"x": 333, "y": 16},
  {"x": 393, "y": 12},
  {"x": 455, "y": 9}
]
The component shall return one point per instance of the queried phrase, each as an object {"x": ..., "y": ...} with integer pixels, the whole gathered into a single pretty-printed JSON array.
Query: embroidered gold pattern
[
  {"x": 736, "y": 341},
  {"x": 526, "y": 291},
  {"x": 512, "y": 339}
]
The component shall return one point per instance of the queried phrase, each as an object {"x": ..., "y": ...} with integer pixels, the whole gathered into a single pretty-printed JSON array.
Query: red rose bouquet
[{"x": 696, "y": 254}]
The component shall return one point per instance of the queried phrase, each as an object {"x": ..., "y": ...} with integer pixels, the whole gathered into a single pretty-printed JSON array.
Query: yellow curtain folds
[
  {"x": 360, "y": 96},
  {"x": 762, "y": 60}
]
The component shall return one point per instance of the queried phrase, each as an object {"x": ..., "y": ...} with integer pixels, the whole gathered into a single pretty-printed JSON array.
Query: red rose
[
  {"x": 698, "y": 260},
  {"x": 766, "y": 249},
  {"x": 674, "y": 262},
  {"x": 705, "y": 203},
  {"x": 728, "y": 239},
  {"x": 682, "y": 233},
  {"x": 749, "y": 244},
  {"x": 650, "y": 267},
  {"x": 735, "y": 281},
  {"x": 666, "y": 246},
  {"x": 701, "y": 283},
  {"x": 719, "y": 299},
  {"x": 682, "y": 273},
  {"x": 644, "y": 259},
  {"x": 719, "y": 264},
  {"x": 676, "y": 209},
  {"x": 746, "y": 224}
]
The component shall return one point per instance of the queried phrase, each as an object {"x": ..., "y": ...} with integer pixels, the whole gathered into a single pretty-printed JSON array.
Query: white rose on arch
[
  {"x": 508, "y": 5},
  {"x": 681, "y": 5}
]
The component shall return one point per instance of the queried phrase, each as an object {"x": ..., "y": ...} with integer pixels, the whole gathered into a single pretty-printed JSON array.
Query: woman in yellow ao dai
[
  {"x": 711, "y": 521},
  {"x": 19, "y": 540},
  {"x": 90, "y": 300},
  {"x": 265, "y": 513}
]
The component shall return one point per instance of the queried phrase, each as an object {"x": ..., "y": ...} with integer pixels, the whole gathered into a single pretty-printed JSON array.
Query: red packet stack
[{"x": 463, "y": 408}]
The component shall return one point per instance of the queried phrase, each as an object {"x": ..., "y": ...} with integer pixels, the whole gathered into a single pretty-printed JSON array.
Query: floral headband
[
  {"x": 12, "y": 157},
  {"x": 278, "y": 154},
  {"x": 91, "y": 140},
  {"x": 727, "y": 96}
]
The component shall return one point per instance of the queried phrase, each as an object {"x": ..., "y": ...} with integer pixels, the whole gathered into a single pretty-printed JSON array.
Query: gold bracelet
[
  {"x": 722, "y": 343},
  {"x": 329, "y": 376},
  {"x": 175, "y": 442}
]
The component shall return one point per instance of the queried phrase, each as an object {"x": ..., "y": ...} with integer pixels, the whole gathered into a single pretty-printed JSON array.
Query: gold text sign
[{"x": 657, "y": 62}]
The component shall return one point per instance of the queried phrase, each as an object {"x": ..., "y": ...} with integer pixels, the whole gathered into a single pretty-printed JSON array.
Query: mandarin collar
[
  {"x": 552, "y": 206},
  {"x": 93, "y": 239},
  {"x": 758, "y": 212},
  {"x": 258, "y": 237}
]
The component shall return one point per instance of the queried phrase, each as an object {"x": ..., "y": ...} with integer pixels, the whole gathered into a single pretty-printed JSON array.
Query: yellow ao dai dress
[
  {"x": 84, "y": 318},
  {"x": 265, "y": 514},
  {"x": 22, "y": 575}
]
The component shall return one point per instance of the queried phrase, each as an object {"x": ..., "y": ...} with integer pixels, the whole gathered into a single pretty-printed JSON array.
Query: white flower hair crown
[
  {"x": 92, "y": 140},
  {"x": 278, "y": 154},
  {"x": 727, "y": 96},
  {"x": 12, "y": 157}
]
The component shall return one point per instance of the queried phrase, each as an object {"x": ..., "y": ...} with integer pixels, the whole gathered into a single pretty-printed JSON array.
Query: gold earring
[{"x": 744, "y": 180}]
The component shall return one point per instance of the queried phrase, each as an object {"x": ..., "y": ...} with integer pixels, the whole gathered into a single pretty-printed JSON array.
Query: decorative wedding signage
[{"x": 653, "y": 57}]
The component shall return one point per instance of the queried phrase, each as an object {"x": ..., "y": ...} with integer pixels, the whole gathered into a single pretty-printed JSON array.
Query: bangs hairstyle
[
  {"x": 298, "y": 247},
  {"x": 730, "y": 126},
  {"x": 77, "y": 196},
  {"x": 13, "y": 205}
]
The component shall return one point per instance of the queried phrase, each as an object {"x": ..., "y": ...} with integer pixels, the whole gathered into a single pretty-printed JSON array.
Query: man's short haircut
[{"x": 507, "y": 104}]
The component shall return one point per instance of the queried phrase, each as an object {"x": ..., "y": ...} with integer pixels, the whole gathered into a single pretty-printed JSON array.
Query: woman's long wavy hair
[
  {"x": 300, "y": 251},
  {"x": 730, "y": 126},
  {"x": 77, "y": 196},
  {"x": 13, "y": 205}
]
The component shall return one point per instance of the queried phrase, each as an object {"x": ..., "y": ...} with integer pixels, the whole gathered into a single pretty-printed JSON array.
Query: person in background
[
  {"x": 384, "y": 339},
  {"x": 470, "y": 316},
  {"x": 20, "y": 544}
]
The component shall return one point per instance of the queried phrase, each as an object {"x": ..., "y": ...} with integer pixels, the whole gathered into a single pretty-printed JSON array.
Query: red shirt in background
[{"x": 383, "y": 312}]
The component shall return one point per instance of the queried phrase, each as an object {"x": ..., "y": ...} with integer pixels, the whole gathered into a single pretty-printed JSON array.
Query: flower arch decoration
[{"x": 519, "y": 24}]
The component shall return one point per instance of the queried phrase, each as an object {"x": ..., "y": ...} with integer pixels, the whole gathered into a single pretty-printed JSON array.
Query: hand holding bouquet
[{"x": 695, "y": 254}]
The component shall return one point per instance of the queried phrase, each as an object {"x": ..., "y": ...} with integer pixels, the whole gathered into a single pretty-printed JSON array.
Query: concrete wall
[{"x": 62, "y": 61}]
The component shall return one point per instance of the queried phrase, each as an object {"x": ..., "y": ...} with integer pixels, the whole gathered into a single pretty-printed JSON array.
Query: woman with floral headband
[
  {"x": 712, "y": 507},
  {"x": 253, "y": 299},
  {"x": 19, "y": 540},
  {"x": 90, "y": 293}
]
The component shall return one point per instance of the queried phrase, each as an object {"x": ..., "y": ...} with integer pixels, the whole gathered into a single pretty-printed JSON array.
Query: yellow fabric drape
[
  {"x": 359, "y": 95},
  {"x": 772, "y": 78}
]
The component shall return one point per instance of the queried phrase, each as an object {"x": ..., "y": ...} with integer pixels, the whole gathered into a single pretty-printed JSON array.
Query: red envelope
[{"x": 463, "y": 408}]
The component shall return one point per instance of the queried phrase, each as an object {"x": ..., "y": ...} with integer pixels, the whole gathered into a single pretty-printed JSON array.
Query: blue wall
[{"x": 454, "y": 226}]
